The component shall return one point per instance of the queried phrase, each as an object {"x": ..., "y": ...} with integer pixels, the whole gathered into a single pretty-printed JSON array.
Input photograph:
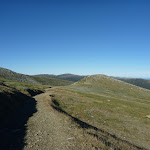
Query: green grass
[
  {"x": 139, "y": 82},
  {"x": 13, "y": 76},
  {"x": 9, "y": 86},
  {"x": 111, "y": 105}
]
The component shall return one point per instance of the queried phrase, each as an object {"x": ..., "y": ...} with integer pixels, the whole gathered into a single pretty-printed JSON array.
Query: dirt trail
[
  {"x": 38, "y": 126},
  {"x": 47, "y": 129}
]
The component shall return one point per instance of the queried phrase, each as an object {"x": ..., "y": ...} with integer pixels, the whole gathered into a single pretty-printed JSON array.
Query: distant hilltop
[
  {"x": 67, "y": 76},
  {"x": 62, "y": 79}
]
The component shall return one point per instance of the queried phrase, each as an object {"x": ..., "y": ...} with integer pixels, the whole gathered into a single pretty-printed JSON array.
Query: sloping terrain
[
  {"x": 52, "y": 130},
  {"x": 110, "y": 86},
  {"x": 15, "y": 88},
  {"x": 138, "y": 82},
  {"x": 97, "y": 112},
  {"x": 113, "y": 111},
  {"x": 69, "y": 77},
  {"x": 13, "y": 76},
  {"x": 51, "y": 81},
  {"x": 39, "y": 126},
  {"x": 13, "y": 95}
]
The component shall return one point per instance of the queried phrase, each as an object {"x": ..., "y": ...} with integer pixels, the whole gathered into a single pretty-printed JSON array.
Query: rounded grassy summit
[
  {"x": 109, "y": 86},
  {"x": 116, "y": 108}
]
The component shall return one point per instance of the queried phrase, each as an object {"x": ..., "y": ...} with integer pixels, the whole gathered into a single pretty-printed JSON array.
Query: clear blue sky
[{"x": 76, "y": 36}]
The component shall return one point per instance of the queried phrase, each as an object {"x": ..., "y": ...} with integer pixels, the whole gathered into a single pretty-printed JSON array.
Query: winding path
[{"x": 47, "y": 129}]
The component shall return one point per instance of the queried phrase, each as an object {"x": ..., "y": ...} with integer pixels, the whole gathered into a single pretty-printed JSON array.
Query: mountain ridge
[
  {"x": 144, "y": 83},
  {"x": 66, "y": 76},
  {"x": 63, "y": 79},
  {"x": 13, "y": 76}
]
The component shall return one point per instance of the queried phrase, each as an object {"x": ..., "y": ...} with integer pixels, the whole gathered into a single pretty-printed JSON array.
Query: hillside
[
  {"x": 114, "y": 111},
  {"x": 13, "y": 76},
  {"x": 136, "y": 81},
  {"x": 13, "y": 95},
  {"x": 15, "y": 88},
  {"x": 108, "y": 85},
  {"x": 110, "y": 113},
  {"x": 51, "y": 81},
  {"x": 69, "y": 77}
]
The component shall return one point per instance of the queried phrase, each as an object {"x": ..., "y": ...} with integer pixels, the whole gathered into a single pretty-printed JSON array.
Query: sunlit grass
[{"x": 123, "y": 114}]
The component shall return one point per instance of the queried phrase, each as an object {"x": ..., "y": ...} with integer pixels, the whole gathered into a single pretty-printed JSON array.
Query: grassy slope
[
  {"x": 13, "y": 76},
  {"x": 111, "y": 105},
  {"x": 138, "y": 82},
  {"x": 15, "y": 88},
  {"x": 13, "y": 94},
  {"x": 10, "y": 85}
]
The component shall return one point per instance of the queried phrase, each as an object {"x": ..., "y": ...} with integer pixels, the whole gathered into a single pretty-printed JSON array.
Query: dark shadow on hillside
[
  {"x": 13, "y": 130},
  {"x": 110, "y": 140}
]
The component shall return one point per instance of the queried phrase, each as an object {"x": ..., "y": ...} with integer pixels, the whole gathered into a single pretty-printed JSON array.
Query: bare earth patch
[{"x": 148, "y": 116}]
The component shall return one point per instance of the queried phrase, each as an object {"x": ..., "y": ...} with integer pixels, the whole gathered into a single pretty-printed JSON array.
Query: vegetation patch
[
  {"x": 121, "y": 114},
  {"x": 106, "y": 139},
  {"x": 13, "y": 95}
]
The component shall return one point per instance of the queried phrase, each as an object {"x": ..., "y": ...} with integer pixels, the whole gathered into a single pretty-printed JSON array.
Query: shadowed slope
[{"x": 13, "y": 130}]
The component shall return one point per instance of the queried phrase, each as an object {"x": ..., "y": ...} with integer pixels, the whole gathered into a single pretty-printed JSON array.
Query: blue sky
[{"x": 71, "y": 36}]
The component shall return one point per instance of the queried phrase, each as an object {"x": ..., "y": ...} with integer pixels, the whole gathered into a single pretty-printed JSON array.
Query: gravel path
[{"x": 48, "y": 129}]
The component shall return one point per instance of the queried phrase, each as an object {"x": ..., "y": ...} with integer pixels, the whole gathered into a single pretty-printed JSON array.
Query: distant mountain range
[
  {"x": 63, "y": 79},
  {"x": 145, "y": 83},
  {"x": 69, "y": 77}
]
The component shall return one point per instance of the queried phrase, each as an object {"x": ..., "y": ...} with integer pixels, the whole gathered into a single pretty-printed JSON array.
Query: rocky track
[{"x": 47, "y": 129}]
